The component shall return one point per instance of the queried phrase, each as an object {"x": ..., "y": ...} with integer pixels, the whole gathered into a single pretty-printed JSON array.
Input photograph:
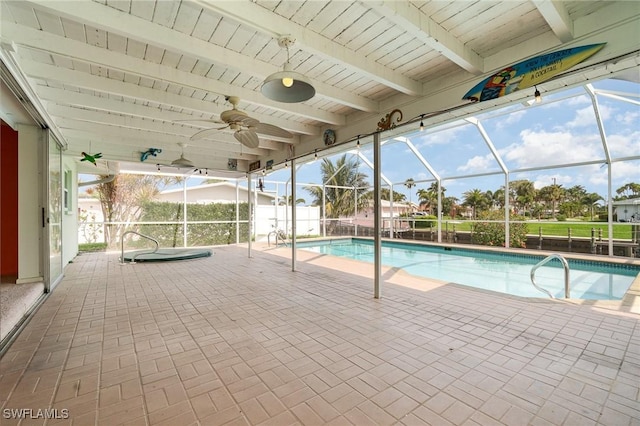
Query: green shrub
[
  {"x": 493, "y": 233},
  {"x": 198, "y": 234},
  {"x": 90, "y": 247},
  {"x": 424, "y": 222},
  {"x": 561, "y": 218}
]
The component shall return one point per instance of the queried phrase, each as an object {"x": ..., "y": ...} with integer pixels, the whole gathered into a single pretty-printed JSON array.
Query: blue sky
[{"x": 561, "y": 130}]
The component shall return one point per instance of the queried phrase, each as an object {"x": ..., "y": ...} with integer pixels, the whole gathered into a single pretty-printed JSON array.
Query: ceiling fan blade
[
  {"x": 237, "y": 116},
  {"x": 249, "y": 122},
  {"x": 199, "y": 120},
  {"x": 247, "y": 138},
  {"x": 271, "y": 130},
  {"x": 206, "y": 132}
]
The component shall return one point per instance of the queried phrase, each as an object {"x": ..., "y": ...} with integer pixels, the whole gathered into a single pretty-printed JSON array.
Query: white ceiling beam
[
  {"x": 411, "y": 19},
  {"x": 101, "y": 137},
  {"x": 618, "y": 27},
  {"x": 556, "y": 15},
  {"x": 261, "y": 19},
  {"x": 83, "y": 52},
  {"x": 135, "y": 123},
  {"x": 118, "y": 88},
  {"x": 124, "y": 153},
  {"x": 130, "y": 26},
  {"x": 82, "y": 100}
]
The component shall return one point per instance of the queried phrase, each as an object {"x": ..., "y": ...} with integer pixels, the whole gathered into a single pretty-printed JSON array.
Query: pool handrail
[
  {"x": 279, "y": 233},
  {"x": 133, "y": 257},
  {"x": 565, "y": 265}
]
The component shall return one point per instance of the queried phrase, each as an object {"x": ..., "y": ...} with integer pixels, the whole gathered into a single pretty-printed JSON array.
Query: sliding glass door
[{"x": 53, "y": 218}]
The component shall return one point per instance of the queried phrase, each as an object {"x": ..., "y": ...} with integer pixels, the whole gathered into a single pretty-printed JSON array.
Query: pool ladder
[
  {"x": 133, "y": 257},
  {"x": 565, "y": 265},
  {"x": 279, "y": 234}
]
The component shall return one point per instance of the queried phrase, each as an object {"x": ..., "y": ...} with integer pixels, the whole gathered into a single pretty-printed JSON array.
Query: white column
[
  {"x": 507, "y": 207},
  {"x": 31, "y": 187},
  {"x": 250, "y": 206},
  {"x": 294, "y": 215},
  {"x": 237, "y": 211},
  {"x": 377, "y": 214},
  {"x": 184, "y": 212}
]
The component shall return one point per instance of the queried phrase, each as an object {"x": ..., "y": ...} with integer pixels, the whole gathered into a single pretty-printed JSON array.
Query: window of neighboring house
[{"x": 67, "y": 191}]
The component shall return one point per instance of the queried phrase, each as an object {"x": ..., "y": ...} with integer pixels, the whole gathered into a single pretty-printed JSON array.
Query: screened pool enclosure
[{"x": 549, "y": 175}]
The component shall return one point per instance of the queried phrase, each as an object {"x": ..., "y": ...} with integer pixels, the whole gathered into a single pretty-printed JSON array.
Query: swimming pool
[{"x": 502, "y": 272}]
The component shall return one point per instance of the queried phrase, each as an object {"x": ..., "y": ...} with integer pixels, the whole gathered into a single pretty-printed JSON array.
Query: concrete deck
[{"x": 232, "y": 340}]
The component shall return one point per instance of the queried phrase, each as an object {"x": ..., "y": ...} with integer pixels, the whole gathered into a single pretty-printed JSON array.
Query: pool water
[{"x": 502, "y": 272}]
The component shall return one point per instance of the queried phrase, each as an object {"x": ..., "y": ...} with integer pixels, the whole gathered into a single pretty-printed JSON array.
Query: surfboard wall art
[{"x": 530, "y": 72}]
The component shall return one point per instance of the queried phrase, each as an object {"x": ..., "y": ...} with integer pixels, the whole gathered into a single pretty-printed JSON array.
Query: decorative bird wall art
[
  {"x": 150, "y": 151},
  {"x": 91, "y": 158}
]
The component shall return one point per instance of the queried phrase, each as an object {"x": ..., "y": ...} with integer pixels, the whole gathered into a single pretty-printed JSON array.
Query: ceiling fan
[{"x": 246, "y": 128}]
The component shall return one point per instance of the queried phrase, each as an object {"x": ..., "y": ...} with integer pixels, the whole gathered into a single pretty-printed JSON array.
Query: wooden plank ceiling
[{"x": 121, "y": 76}]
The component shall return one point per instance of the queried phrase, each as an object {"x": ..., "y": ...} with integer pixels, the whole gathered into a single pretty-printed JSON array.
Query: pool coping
[{"x": 630, "y": 302}]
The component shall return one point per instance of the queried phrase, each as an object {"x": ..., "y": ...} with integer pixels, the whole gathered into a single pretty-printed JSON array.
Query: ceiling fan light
[{"x": 288, "y": 86}]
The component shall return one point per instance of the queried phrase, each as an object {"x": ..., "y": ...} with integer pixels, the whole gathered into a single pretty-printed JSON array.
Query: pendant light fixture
[
  {"x": 537, "y": 96},
  {"x": 182, "y": 162},
  {"x": 287, "y": 86}
]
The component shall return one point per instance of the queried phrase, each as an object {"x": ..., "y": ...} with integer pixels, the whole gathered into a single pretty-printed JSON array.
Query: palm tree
[
  {"x": 410, "y": 183},
  {"x": 398, "y": 197},
  {"x": 552, "y": 194},
  {"x": 429, "y": 197},
  {"x": 449, "y": 205},
  {"x": 589, "y": 200},
  {"x": 497, "y": 197},
  {"x": 525, "y": 193},
  {"x": 342, "y": 181},
  {"x": 475, "y": 199},
  {"x": 573, "y": 203},
  {"x": 289, "y": 201},
  {"x": 627, "y": 191}
]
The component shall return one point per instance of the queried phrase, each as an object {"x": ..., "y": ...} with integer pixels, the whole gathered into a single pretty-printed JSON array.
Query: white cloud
[
  {"x": 509, "y": 120},
  {"x": 624, "y": 145},
  {"x": 540, "y": 148},
  {"x": 479, "y": 163},
  {"x": 567, "y": 104},
  {"x": 628, "y": 118},
  {"x": 576, "y": 100},
  {"x": 621, "y": 173},
  {"x": 423, "y": 176},
  {"x": 438, "y": 138},
  {"x": 543, "y": 180},
  {"x": 587, "y": 117},
  {"x": 625, "y": 172}
]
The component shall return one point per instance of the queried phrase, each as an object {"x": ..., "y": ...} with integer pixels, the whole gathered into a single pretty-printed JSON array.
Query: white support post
[
  {"x": 377, "y": 213},
  {"x": 250, "y": 205},
  {"x": 184, "y": 212},
  {"x": 294, "y": 216},
  {"x": 355, "y": 196},
  {"x": 324, "y": 210},
  {"x": 507, "y": 207},
  {"x": 439, "y": 212},
  {"x": 237, "y": 211},
  {"x": 392, "y": 216}
]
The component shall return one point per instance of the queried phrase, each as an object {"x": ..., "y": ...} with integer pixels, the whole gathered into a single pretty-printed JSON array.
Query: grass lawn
[{"x": 560, "y": 229}]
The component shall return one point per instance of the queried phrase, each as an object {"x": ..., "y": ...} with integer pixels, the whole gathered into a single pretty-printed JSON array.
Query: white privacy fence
[{"x": 268, "y": 218}]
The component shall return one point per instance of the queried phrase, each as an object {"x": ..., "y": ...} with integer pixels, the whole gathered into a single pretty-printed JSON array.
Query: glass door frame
[{"x": 52, "y": 196}]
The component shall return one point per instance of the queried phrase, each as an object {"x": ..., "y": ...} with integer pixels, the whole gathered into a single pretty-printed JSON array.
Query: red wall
[{"x": 8, "y": 200}]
